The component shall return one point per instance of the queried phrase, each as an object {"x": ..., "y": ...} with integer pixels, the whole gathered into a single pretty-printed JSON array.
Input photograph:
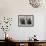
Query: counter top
[{"x": 42, "y": 41}]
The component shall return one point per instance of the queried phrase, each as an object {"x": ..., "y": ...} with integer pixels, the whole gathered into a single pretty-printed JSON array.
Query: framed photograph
[{"x": 25, "y": 20}]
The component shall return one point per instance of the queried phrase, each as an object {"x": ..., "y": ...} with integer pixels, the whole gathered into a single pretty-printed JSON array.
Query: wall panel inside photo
[{"x": 25, "y": 20}]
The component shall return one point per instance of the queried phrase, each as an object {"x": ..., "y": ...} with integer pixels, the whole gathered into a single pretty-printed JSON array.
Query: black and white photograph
[
  {"x": 22, "y": 22},
  {"x": 26, "y": 20}
]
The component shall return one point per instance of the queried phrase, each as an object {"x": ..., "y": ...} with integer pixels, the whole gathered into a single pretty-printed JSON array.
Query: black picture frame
[{"x": 25, "y": 20}]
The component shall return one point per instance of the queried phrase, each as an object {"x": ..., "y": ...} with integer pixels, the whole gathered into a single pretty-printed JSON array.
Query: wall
[
  {"x": 13, "y": 8},
  {"x": 45, "y": 29}
]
